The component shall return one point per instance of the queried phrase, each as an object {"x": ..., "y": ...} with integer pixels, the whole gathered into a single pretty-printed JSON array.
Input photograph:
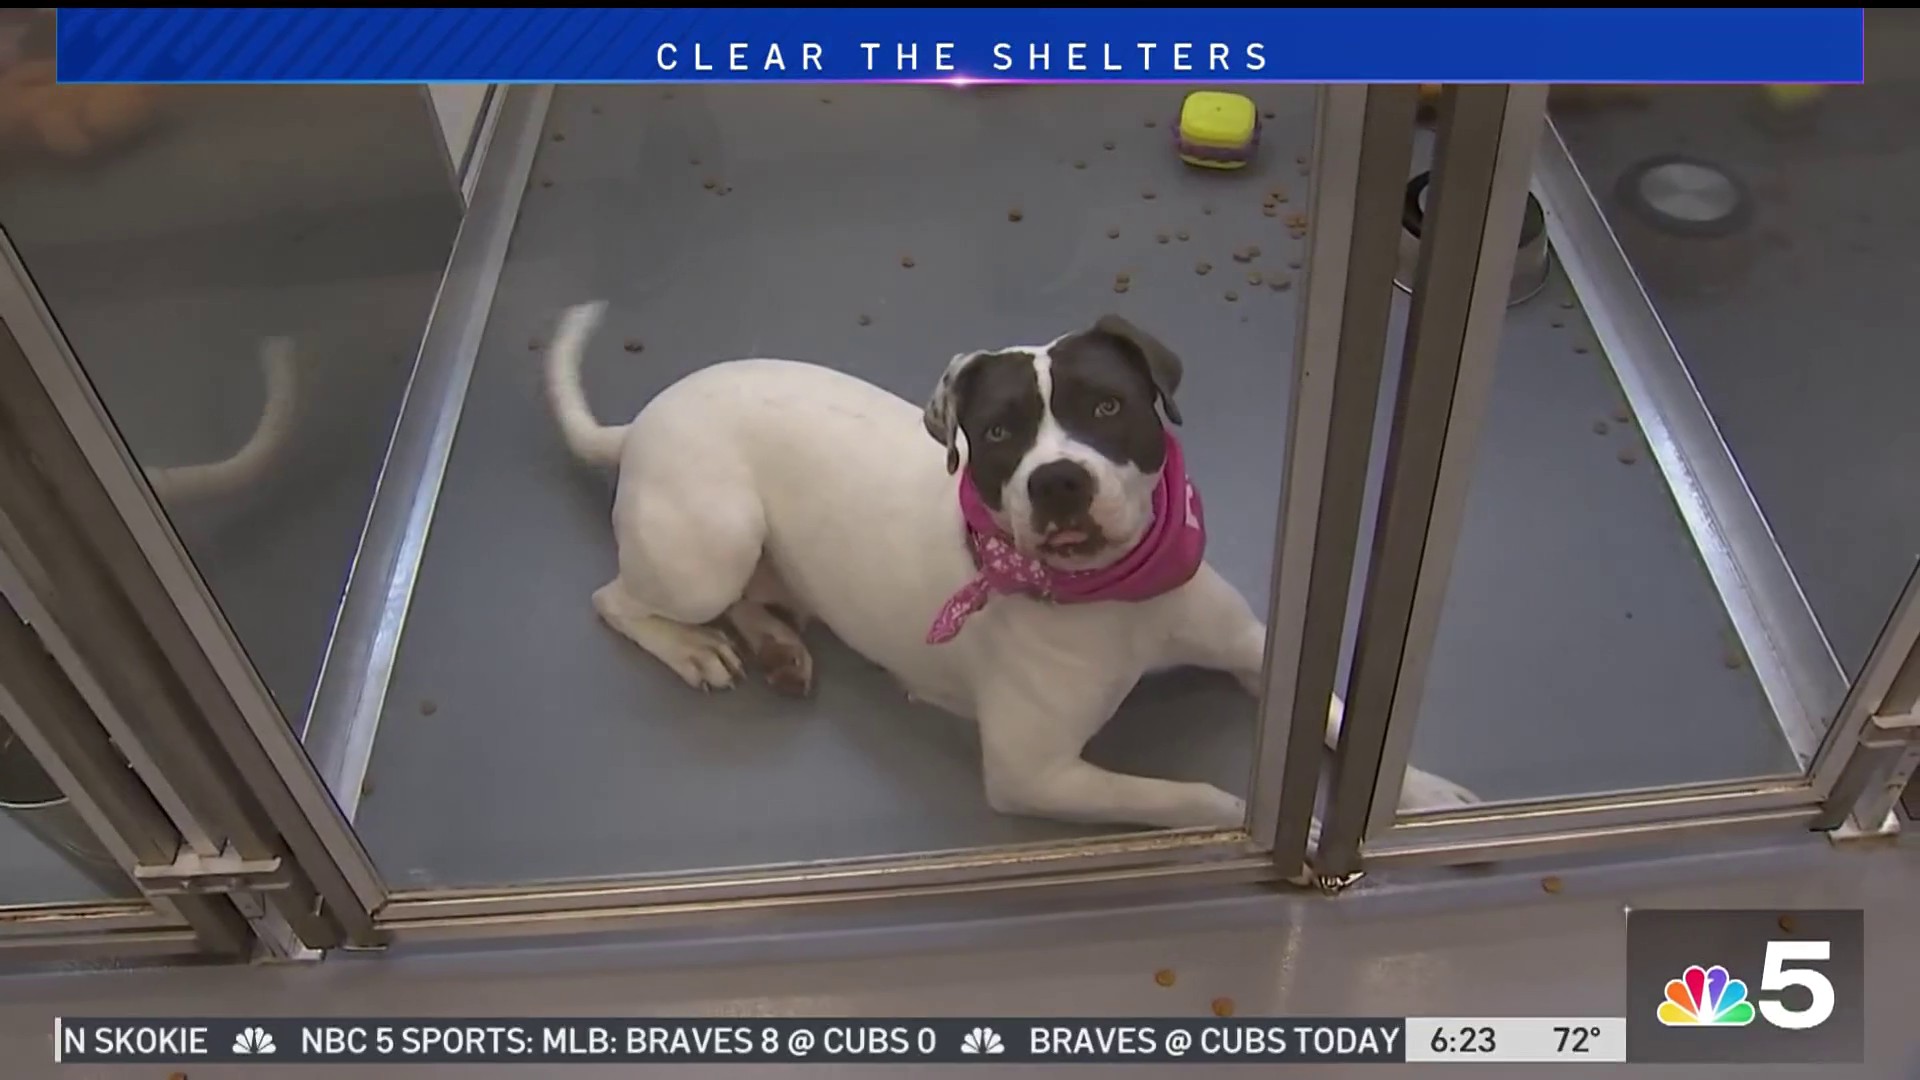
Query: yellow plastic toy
[
  {"x": 1218, "y": 130},
  {"x": 1793, "y": 95}
]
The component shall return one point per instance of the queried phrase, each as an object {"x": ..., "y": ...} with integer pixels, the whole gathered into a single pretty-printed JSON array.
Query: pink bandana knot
[{"x": 1166, "y": 557}]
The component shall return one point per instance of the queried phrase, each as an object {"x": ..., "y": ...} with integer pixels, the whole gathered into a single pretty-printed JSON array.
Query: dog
[{"x": 764, "y": 493}]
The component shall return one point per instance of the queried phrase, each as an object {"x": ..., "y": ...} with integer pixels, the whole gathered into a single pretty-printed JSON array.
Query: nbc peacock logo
[{"x": 1706, "y": 997}]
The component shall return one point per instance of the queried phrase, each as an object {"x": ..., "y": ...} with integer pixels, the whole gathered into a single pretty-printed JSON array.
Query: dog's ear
[
  {"x": 1161, "y": 364},
  {"x": 942, "y": 415}
]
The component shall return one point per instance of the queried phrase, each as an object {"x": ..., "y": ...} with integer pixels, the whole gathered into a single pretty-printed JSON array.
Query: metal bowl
[{"x": 1532, "y": 264}]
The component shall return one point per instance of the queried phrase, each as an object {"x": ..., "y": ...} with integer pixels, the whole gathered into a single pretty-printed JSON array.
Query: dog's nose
[{"x": 1060, "y": 487}]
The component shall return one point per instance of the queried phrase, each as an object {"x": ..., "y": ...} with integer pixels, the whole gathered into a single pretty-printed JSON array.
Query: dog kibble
[
  {"x": 633, "y": 345},
  {"x": 428, "y": 708},
  {"x": 1206, "y": 208},
  {"x": 1788, "y": 924},
  {"x": 1270, "y": 211},
  {"x": 906, "y": 261},
  {"x": 1161, "y": 238},
  {"x": 1580, "y": 350},
  {"x": 1550, "y": 885},
  {"x": 1300, "y": 159},
  {"x": 1108, "y": 145},
  {"x": 709, "y": 183},
  {"x": 1621, "y": 414},
  {"x": 1148, "y": 123},
  {"x": 533, "y": 345},
  {"x": 1627, "y": 456},
  {"x": 1293, "y": 263},
  {"x": 1232, "y": 296},
  {"x": 1279, "y": 282},
  {"x": 826, "y": 101},
  {"x": 1244, "y": 255},
  {"x": 1268, "y": 114},
  {"x": 559, "y": 136},
  {"x": 1202, "y": 268},
  {"x": 1014, "y": 215},
  {"x": 1183, "y": 235},
  {"x": 1164, "y": 976},
  {"x": 1223, "y": 1006},
  {"x": 1079, "y": 164},
  {"x": 1253, "y": 277},
  {"x": 1147, "y": 194},
  {"x": 366, "y": 787},
  {"x": 1120, "y": 286},
  {"x": 1733, "y": 660},
  {"x": 1599, "y": 427},
  {"x": 1113, "y": 233},
  {"x": 1297, "y": 221},
  {"x": 546, "y": 182}
]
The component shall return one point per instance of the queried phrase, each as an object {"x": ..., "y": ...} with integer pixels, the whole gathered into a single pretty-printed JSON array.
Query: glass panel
[
  {"x": 1582, "y": 646},
  {"x": 1771, "y": 228},
  {"x": 244, "y": 273},
  {"x": 877, "y": 231},
  {"x": 47, "y": 852}
]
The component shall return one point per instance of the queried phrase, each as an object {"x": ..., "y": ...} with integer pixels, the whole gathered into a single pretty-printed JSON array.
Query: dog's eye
[
  {"x": 1108, "y": 407},
  {"x": 996, "y": 433}
]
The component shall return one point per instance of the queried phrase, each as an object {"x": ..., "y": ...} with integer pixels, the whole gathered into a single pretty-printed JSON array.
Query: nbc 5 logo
[{"x": 1711, "y": 997}]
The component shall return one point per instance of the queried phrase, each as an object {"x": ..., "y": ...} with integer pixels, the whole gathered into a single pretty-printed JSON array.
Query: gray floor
[
  {"x": 1492, "y": 946},
  {"x": 1800, "y": 334},
  {"x": 525, "y": 741}
]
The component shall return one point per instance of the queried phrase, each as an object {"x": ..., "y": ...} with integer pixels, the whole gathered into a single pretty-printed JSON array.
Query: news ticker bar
[{"x": 605, "y": 1040}]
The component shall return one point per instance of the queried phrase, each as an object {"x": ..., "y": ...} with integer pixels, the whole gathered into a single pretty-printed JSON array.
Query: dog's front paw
[{"x": 1425, "y": 791}]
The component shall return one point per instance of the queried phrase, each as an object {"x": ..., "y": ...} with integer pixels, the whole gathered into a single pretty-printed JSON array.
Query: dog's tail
[
  {"x": 191, "y": 483},
  {"x": 590, "y": 440}
]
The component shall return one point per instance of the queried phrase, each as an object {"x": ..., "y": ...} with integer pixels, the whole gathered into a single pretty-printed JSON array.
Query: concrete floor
[
  {"x": 523, "y": 740},
  {"x": 1489, "y": 946}
]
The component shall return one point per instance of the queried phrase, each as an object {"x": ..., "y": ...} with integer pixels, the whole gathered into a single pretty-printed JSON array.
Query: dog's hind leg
[
  {"x": 683, "y": 563},
  {"x": 700, "y": 655},
  {"x": 1215, "y": 628},
  {"x": 775, "y": 643}
]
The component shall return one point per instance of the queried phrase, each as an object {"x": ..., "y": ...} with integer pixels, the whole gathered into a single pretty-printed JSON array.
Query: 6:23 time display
[{"x": 1466, "y": 1040}]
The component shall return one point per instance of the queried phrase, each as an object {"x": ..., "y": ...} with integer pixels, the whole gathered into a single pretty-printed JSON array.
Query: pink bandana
[{"x": 1166, "y": 558}]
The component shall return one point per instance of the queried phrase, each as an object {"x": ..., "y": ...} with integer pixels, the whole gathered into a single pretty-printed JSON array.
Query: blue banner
[{"x": 1579, "y": 45}]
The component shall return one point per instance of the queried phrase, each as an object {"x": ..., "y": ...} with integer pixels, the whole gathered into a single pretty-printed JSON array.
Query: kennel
[{"x": 1520, "y": 524}]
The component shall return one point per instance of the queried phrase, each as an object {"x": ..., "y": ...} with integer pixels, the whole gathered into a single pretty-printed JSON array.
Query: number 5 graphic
[{"x": 1778, "y": 976}]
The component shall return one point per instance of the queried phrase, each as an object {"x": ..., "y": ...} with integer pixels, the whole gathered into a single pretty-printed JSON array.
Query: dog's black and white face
[{"x": 1064, "y": 440}]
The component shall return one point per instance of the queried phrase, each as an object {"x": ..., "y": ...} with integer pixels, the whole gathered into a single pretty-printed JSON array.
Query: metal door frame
[{"x": 1855, "y": 762}]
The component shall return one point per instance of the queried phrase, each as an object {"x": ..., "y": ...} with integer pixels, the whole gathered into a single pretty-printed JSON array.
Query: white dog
[{"x": 1030, "y": 594}]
